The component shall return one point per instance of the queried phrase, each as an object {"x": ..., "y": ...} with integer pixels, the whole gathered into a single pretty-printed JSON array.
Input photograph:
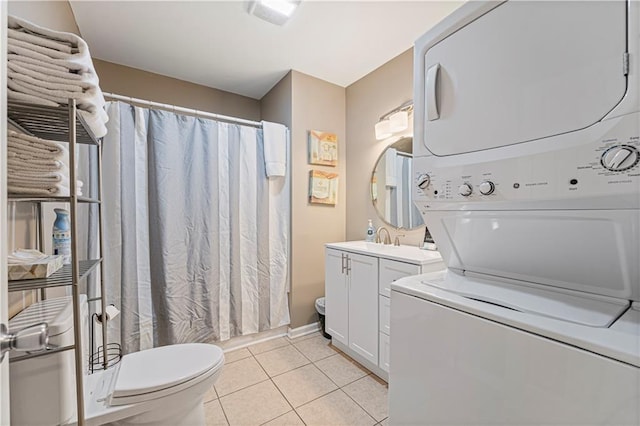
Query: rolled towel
[{"x": 64, "y": 47}]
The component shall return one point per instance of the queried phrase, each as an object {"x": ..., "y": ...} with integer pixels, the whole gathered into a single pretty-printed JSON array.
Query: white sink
[{"x": 403, "y": 253}]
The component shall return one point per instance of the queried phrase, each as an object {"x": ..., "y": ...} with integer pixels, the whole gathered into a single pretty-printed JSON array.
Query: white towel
[
  {"x": 19, "y": 161},
  {"x": 44, "y": 73},
  {"x": 275, "y": 148},
  {"x": 39, "y": 40},
  {"x": 80, "y": 60},
  {"x": 18, "y": 139},
  {"x": 35, "y": 180},
  {"x": 29, "y": 151},
  {"x": 65, "y": 63},
  {"x": 51, "y": 84},
  {"x": 12, "y": 57},
  {"x": 391, "y": 169},
  {"x": 90, "y": 100},
  {"x": 95, "y": 122},
  {"x": 31, "y": 99},
  {"x": 51, "y": 53},
  {"x": 56, "y": 190}
]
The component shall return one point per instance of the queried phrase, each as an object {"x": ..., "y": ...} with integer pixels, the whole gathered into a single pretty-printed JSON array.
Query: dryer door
[{"x": 524, "y": 71}]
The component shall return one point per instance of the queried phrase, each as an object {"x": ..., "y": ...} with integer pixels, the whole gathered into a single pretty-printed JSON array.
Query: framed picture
[
  {"x": 323, "y": 187},
  {"x": 323, "y": 148}
]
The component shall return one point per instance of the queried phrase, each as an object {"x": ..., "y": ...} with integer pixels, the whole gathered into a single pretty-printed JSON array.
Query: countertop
[{"x": 400, "y": 253}]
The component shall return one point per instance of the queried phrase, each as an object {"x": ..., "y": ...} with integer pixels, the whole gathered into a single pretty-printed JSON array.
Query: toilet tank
[{"x": 43, "y": 390}]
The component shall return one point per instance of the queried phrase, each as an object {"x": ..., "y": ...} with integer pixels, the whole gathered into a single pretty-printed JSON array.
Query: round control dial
[
  {"x": 465, "y": 190},
  {"x": 620, "y": 158},
  {"x": 487, "y": 187},
  {"x": 423, "y": 181}
]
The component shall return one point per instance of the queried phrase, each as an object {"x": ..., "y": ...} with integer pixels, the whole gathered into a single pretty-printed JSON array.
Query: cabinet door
[
  {"x": 523, "y": 71},
  {"x": 363, "y": 306},
  {"x": 336, "y": 296}
]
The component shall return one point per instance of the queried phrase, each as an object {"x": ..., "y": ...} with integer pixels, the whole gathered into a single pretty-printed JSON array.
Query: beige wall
[
  {"x": 127, "y": 81},
  {"x": 276, "y": 106},
  {"x": 317, "y": 105},
  {"x": 56, "y": 15},
  {"x": 367, "y": 99},
  {"x": 306, "y": 103}
]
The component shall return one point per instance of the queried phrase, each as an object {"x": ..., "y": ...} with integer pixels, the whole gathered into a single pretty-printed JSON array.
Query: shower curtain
[{"x": 196, "y": 235}]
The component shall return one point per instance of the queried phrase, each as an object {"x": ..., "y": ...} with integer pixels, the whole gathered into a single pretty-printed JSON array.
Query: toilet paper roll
[{"x": 111, "y": 313}]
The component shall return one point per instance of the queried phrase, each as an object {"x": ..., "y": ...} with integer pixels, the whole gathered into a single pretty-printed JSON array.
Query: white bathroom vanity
[{"x": 358, "y": 277}]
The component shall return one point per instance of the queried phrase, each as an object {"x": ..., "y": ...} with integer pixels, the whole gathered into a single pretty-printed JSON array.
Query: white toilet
[{"x": 159, "y": 386}]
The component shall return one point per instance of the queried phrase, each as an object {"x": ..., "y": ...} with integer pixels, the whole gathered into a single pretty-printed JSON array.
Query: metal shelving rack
[{"x": 63, "y": 124}]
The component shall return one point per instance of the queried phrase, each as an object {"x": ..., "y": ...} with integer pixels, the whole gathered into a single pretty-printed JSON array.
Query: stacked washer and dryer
[{"x": 527, "y": 125}]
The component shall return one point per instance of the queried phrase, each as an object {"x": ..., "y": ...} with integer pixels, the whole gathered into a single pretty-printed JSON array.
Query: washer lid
[
  {"x": 160, "y": 368},
  {"x": 580, "y": 308}
]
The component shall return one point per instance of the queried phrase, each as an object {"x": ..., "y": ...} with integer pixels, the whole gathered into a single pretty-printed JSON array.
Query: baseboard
[
  {"x": 240, "y": 342},
  {"x": 304, "y": 330}
]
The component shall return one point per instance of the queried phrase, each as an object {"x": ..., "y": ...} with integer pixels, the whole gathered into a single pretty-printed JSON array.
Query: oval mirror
[{"x": 392, "y": 186}]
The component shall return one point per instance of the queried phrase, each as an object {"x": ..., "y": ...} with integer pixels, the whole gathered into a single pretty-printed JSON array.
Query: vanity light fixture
[
  {"x": 383, "y": 129},
  {"x": 394, "y": 121},
  {"x": 277, "y": 12}
]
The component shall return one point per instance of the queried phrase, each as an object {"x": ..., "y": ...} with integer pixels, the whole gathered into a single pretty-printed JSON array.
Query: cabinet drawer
[
  {"x": 384, "y": 308},
  {"x": 390, "y": 271},
  {"x": 384, "y": 352}
]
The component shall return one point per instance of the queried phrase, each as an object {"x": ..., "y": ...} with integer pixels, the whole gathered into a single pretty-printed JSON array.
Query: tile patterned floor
[{"x": 303, "y": 381}]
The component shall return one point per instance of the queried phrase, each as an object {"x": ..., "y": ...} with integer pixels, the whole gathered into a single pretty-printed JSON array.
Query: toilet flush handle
[{"x": 32, "y": 338}]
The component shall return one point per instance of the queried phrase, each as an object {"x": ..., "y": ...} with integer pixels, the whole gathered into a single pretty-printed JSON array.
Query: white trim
[
  {"x": 251, "y": 339},
  {"x": 304, "y": 330}
]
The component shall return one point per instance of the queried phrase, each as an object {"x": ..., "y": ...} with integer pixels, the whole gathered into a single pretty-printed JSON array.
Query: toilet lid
[{"x": 164, "y": 367}]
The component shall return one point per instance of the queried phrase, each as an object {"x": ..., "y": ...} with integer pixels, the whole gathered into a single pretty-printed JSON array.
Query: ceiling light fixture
[
  {"x": 394, "y": 121},
  {"x": 275, "y": 11}
]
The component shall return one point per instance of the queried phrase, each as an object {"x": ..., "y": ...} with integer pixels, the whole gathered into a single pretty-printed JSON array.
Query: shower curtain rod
[{"x": 174, "y": 108}]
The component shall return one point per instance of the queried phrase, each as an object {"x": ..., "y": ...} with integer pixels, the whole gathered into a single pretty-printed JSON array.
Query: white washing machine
[{"x": 527, "y": 145}]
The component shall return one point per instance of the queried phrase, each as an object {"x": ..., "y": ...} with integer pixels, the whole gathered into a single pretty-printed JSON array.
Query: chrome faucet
[{"x": 387, "y": 238}]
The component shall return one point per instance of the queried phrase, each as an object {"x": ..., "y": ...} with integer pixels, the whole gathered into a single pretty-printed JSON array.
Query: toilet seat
[{"x": 158, "y": 372}]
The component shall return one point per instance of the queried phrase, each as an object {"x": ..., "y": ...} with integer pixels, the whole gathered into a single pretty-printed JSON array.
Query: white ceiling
[{"x": 218, "y": 44}]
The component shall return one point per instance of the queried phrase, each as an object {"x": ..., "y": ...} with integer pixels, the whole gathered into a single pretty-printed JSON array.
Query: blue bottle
[{"x": 62, "y": 235}]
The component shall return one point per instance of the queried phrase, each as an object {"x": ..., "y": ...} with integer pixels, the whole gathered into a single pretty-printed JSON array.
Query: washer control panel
[
  {"x": 487, "y": 187},
  {"x": 465, "y": 190},
  {"x": 560, "y": 168},
  {"x": 619, "y": 158}
]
